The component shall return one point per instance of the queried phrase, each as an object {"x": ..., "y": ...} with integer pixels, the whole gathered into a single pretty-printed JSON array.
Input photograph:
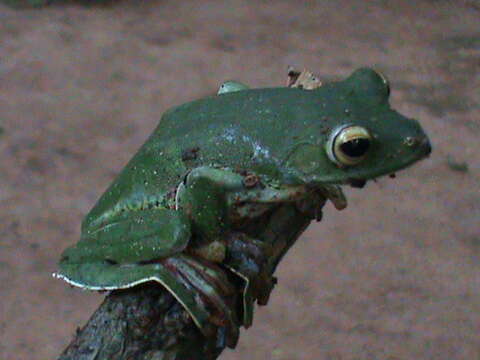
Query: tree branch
[
  {"x": 147, "y": 323},
  {"x": 144, "y": 322}
]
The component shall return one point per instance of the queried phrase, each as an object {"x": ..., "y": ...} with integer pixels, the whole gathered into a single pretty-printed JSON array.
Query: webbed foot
[
  {"x": 247, "y": 258},
  {"x": 214, "y": 251}
]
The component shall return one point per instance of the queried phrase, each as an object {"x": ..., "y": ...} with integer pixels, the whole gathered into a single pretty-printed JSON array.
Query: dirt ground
[{"x": 394, "y": 276}]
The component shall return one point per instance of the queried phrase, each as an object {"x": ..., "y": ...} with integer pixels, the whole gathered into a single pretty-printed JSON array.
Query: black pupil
[{"x": 355, "y": 147}]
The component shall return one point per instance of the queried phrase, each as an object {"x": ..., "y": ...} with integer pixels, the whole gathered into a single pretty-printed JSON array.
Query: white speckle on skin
[
  {"x": 230, "y": 134},
  {"x": 258, "y": 149}
]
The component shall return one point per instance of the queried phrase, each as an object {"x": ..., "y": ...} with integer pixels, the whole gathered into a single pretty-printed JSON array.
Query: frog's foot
[
  {"x": 214, "y": 251},
  {"x": 335, "y": 194},
  {"x": 244, "y": 254},
  {"x": 247, "y": 258},
  {"x": 213, "y": 294},
  {"x": 312, "y": 205}
]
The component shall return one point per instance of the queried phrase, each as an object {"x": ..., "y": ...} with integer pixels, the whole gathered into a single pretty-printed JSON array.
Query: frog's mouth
[
  {"x": 360, "y": 183},
  {"x": 335, "y": 194},
  {"x": 423, "y": 151},
  {"x": 356, "y": 183}
]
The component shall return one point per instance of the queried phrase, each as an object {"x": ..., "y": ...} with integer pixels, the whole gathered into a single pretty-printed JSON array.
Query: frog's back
[{"x": 232, "y": 130}]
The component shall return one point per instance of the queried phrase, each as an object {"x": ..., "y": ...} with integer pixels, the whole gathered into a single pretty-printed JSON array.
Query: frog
[{"x": 178, "y": 213}]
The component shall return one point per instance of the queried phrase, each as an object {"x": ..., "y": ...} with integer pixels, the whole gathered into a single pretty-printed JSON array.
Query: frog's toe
[
  {"x": 246, "y": 255},
  {"x": 214, "y": 251},
  {"x": 248, "y": 259}
]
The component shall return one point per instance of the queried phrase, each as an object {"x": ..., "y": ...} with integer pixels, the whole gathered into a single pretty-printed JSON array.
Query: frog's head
[{"x": 360, "y": 137}]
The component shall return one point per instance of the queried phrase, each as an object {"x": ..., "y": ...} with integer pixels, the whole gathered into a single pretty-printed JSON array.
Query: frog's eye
[
  {"x": 370, "y": 85},
  {"x": 348, "y": 145}
]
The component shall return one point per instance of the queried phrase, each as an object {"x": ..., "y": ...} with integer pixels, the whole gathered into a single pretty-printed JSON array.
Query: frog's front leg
[
  {"x": 312, "y": 205},
  {"x": 249, "y": 257},
  {"x": 207, "y": 197},
  {"x": 202, "y": 197}
]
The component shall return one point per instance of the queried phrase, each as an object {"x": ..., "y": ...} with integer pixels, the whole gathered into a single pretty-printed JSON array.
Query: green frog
[{"x": 181, "y": 211}]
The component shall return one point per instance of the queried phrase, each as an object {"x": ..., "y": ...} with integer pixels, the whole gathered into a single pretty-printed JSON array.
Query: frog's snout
[{"x": 420, "y": 144}]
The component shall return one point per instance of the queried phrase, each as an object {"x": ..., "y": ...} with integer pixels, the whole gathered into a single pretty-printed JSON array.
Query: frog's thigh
[
  {"x": 131, "y": 237},
  {"x": 202, "y": 197}
]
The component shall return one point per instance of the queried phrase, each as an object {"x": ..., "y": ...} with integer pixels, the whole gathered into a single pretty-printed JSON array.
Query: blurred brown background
[{"x": 394, "y": 276}]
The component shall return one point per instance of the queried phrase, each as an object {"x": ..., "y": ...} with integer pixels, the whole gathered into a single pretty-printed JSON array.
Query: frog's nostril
[{"x": 420, "y": 143}]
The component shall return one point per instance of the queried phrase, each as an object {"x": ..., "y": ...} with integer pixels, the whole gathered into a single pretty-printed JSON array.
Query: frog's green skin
[{"x": 214, "y": 162}]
